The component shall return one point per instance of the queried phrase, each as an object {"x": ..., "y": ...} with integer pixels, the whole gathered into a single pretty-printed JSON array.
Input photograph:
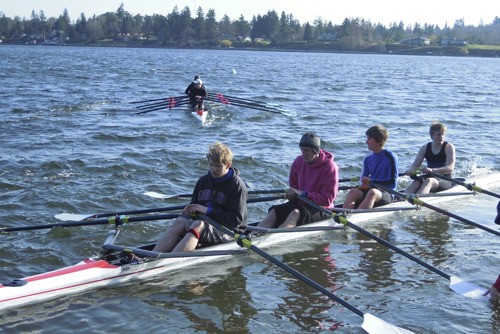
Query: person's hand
[
  {"x": 427, "y": 170},
  {"x": 409, "y": 172},
  {"x": 365, "y": 183},
  {"x": 494, "y": 295},
  {"x": 193, "y": 209},
  {"x": 293, "y": 193},
  {"x": 414, "y": 171}
]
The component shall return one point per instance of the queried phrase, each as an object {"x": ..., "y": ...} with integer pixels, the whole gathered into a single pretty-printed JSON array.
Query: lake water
[{"x": 70, "y": 142}]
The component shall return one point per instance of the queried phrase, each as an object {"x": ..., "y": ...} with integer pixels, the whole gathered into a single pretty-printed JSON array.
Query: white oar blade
[
  {"x": 71, "y": 217},
  {"x": 374, "y": 325},
  {"x": 157, "y": 195},
  {"x": 467, "y": 289}
]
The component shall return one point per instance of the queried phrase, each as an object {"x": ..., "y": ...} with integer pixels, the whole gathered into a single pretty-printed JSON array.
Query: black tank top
[{"x": 435, "y": 160}]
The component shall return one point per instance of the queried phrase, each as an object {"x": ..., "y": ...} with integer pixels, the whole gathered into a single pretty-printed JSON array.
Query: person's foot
[{"x": 128, "y": 258}]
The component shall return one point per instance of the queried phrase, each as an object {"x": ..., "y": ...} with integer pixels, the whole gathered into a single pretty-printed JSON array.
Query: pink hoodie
[{"x": 320, "y": 179}]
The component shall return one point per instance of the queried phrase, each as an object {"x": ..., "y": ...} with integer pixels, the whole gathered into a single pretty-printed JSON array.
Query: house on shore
[
  {"x": 419, "y": 41},
  {"x": 453, "y": 42}
]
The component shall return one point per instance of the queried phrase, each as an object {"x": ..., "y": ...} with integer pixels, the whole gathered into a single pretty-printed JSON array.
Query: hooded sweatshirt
[
  {"x": 319, "y": 179},
  {"x": 225, "y": 197}
]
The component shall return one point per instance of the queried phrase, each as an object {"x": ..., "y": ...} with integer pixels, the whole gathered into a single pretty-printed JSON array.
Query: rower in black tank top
[{"x": 435, "y": 160}]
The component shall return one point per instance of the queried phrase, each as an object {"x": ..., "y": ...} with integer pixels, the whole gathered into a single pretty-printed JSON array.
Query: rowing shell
[
  {"x": 201, "y": 115},
  {"x": 106, "y": 269}
]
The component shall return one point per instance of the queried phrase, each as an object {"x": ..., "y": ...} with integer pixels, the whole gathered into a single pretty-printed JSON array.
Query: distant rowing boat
[
  {"x": 201, "y": 114},
  {"x": 106, "y": 269}
]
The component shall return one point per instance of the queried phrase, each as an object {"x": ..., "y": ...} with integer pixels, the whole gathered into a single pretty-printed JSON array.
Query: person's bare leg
[
  {"x": 413, "y": 187},
  {"x": 171, "y": 237},
  {"x": 429, "y": 185},
  {"x": 370, "y": 199},
  {"x": 352, "y": 197},
  {"x": 269, "y": 220},
  {"x": 189, "y": 242},
  {"x": 292, "y": 219}
]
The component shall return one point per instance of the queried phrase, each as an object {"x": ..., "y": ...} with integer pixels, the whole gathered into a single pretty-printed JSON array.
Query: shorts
[
  {"x": 307, "y": 214},
  {"x": 386, "y": 198},
  {"x": 442, "y": 184},
  {"x": 209, "y": 235}
]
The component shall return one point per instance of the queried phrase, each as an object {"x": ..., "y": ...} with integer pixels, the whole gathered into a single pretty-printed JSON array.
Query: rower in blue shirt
[{"x": 380, "y": 167}]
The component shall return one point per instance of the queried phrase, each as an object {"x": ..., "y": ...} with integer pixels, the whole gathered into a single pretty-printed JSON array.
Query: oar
[
  {"x": 162, "y": 99},
  {"x": 224, "y": 100},
  {"x": 163, "y": 107},
  {"x": 380, "y": 209},
  {"x": 412, "y": 199},
  {"x": 469, "y": 186},
  {"x": 157, "y": 255},
  {"x": 169, "y": 102},
  {"x": 251, "y": 192},
  {"x": 117, "y": 220},
  {"x": 223, "y": 96},
  {"x": 79, "y": 217},
  {"x": 371, "y": 323},
  {"x": 456, "y": 284},
  {"x": 155, "y": 194},
  {"x": 350, "y": 179},
  {"x": 356, "y": 178},
  {"x": 301, "y": 229},
  {"x": 247, "y": 105},
  {"x": 160, "y": 108},
  {"x": 229, "y": 99}
]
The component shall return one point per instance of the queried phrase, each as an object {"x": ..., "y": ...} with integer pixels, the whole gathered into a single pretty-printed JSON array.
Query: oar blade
[
  {"x": 71, "y": 217},
  {"x": 467, "y": 289},
  {"x": 374, "y": 325},
  {"x": 154, "y": 194}
]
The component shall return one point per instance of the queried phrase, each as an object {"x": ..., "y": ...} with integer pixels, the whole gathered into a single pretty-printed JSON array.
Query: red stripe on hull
[
  {"x": 88, "y": 265},
  {"x": 69, "y": 270}
]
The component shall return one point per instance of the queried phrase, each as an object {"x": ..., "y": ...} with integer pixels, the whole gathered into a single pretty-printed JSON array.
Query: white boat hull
[
  {"x": 93, "y": 273},
  {"x": 201, "y": 115}
]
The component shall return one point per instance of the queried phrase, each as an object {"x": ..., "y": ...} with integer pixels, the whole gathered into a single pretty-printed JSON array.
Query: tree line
[{"x": 181, "y": 29}]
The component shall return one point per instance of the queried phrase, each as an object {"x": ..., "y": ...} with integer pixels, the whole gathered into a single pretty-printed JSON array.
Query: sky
[{"x": 437, "y": 12}]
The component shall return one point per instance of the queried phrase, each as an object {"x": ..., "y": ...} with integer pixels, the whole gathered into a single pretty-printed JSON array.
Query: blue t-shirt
[{"x": 382, "y": 168}]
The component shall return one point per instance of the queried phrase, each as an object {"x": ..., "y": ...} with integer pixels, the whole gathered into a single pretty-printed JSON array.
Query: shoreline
[{"x": 454, "y": 51}]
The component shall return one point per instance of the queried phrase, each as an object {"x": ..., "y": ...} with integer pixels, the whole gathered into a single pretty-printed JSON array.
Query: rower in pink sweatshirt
[{"x": 314, "y": 175}]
